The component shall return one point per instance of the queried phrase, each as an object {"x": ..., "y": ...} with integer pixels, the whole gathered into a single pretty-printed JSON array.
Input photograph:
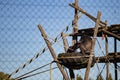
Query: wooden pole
[
  {"x": 93, "y": 44},
  {"x": 115, "y": 63},
  {"x": 112, "y": 34},
  {"x": 65, "y": 43},
  {"x": 75, "y": 24},
  {"x": 106, "y": 45},
  {"x": 87, "y": 14},
  {"x": 52, "y": 52},
  {"x": 74, "y": 38}
]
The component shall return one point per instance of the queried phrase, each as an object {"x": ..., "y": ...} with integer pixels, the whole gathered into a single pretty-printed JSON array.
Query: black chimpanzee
[{"x": 85, "y": 45}]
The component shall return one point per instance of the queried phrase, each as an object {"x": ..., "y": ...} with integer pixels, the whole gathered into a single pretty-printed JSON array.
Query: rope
[
  {"x": 37, "y": 73},
  {"x": 100, "y": 72},
  {"x": 118, "y": 67},
  {"x": 105, "y": 55},
  {"x": 36, "y": 56},
  {"x": 28, "y": 62},
  {"x": 42, "y": 51},
  {"x": 33, "y": 70}
]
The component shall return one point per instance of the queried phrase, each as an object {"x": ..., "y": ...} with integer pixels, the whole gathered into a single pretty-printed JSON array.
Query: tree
[
  {"x": 99, "y": 77},
  {"x": 4, "y": 76},
  {"x": 110, "y": 77},
  {"x": 79, "y": 77}
]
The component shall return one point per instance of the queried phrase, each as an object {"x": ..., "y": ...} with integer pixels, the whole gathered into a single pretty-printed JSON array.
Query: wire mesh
[{"x": 20, "y": 39}]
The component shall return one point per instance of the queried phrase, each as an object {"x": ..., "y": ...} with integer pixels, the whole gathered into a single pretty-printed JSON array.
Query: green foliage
[
  {"x": 99, "y": 77},
  {"x": 110, "y": 77},
  {"x": 4, "y": 76},
  {"x": 79, "y": 77}
]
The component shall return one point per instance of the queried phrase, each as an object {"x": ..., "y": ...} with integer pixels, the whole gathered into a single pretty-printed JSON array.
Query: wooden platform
[
  {"x": 78, "y": 61},
  {"x": 115, "y": 29},
  {"x": 110, "y": 58},
  {"x": 74, "y": 60}
]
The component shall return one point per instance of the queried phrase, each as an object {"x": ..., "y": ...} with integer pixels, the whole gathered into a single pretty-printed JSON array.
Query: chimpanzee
[{"x": 84, "y": 44}]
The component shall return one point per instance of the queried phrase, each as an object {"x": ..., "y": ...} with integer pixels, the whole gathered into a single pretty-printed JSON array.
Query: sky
[{"x": 20, "y": 38}]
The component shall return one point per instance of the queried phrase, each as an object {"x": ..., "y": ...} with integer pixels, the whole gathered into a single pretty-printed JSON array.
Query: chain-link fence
[{"x": 21, "y": 43}]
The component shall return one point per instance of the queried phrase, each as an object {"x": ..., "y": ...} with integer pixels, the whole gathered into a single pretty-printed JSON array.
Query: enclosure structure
[{"x": 75, "y": 60}]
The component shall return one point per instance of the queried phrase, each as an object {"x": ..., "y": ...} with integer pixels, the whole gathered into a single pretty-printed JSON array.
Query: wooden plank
[
  {"x": 93, "y": 44},
  {"x": 106, "y": 46},
  {"x": 101, "y": 59},
  {"x": 52, "y": 52},
  {"x": 87, "y": 14},
  {"x": 112, "y": 34},
  {"x": 106, "y": 59}
]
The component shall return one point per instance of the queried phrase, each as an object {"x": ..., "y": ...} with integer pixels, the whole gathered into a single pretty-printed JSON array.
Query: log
[
  {"x": 52, "y": 52},
  {"x": 87, "y": 14},
  {"x": 93, "y": 44}
]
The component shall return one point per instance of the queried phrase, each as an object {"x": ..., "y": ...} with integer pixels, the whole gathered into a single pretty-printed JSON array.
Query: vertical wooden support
[
  {"x": 106, "y": 45},
  {"x": 74, "y": 38},
  {"x": 115, "y": 63},
  {"x": 75, "y": 24},
  {"x": 65, "y": 43},
  {"x": 52, "y": 52},
  {"x": 93, "y": 44}
]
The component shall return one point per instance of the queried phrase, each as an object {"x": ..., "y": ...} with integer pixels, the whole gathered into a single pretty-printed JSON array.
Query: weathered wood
[
  {"x": 76, "y": 58},
  {"x": 93, "y": 44},
  {"x": 87, "y": 14},
  {"x": 52, "y": 52},
  {"x": 112, "y": 34},
  {"x": 110, "y": 58},
  {"x": 89, "y": 31},
  {"x": 106, "y": 45},
  {"x": 78, "y": 61},
  {"x": 74, "y": 38},
  {"x": 75, "y": 24},
  {"x": 65, "y": 43}
]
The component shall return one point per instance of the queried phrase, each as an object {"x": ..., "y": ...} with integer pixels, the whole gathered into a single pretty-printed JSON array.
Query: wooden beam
[
  {"x": 75, "y": 24},
  {"x": 87, "y": 14},
  {"x": 74, "y": 38},
  {"x": 65, "y": 43},
  {"x": 112, "y": 34},
  {"x": 106, "y": 59},
  {"x": 52, "y": 52},
  {"x": 93, "y": 44},
  {"x": 106, "y": 45},
  {"x": 100, "y": 59}
]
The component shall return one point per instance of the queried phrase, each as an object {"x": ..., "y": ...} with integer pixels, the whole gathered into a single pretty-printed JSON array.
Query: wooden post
[
  {"x": 74, "y": 38},
  {"x": 115, "y": 63},
  {"x": 75, "y": 24},
  {"x": 65, "y": 43},
  {"x": 106, "y": 45},
  {"x": 52, "y": 52},
  {"x": 93, "y": 44}
]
